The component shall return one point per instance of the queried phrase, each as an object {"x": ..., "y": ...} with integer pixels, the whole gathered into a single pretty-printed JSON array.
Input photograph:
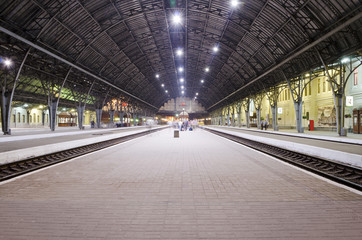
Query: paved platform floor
[{"x": 198, "y": 186}]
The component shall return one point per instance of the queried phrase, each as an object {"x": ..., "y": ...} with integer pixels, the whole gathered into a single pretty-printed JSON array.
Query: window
[
  {"x": 30, "y": 119},
  {"x": 310, "y": 88},
  {"x": 18, "y": 117},
  {"x": 319, "y": 86},
  {"x": 34, "y": 118},
  {"x": 23, "y": 118},
  {"x": 14, "y": 118},
  {"x": 329, "y": 86},
  {"x": 38, "y": 119},
  {"x": 324, "y": 85},
  {"x": 355, "y": 82},
  {"x": 305, "y": 91}
]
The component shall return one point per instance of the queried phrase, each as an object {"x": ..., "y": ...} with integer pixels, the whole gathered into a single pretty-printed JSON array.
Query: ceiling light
[
  {"x": 176, "y": 18},
  {"x": 162, "y": 85},
  {"x": 207, "y": 69},
  {"x": 182, "y": 87},
  {"x": 166, "y": 91},
  {"x": 215, "y": 49},
  {"x": 234, "y": 3},
  {"x": 182, "y": 80},
  {"x": 345, "y": 60},
  {"x": 179, "y": 52},
  {"x": 157, "y": 75},
  {"x": 197, "y": 94},
  {"x": 202, "y": 81},
  {"x": 183, "y": 92},
  {"x": 180, "y": 69},
  {"x": 7, "y": 62}
]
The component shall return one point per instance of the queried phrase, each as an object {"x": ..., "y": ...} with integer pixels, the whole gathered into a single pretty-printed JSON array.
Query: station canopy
[{"x": 214, "y": 51}]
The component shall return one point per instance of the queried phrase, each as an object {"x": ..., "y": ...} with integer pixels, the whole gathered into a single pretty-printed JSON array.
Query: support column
[
  {"x": 98, "y": 117},
  {"x": 134, "y": 119},
  {"x": 340, "y": 103},
  {"x": 247, "y": 118},
  {"x": 121, "y": 115},
  {"x": 258, "y": 118},
  {"x": 297, "y": 96},
  {"x": 80, "y": 111},
  {"x": 228, "y": 118},
  {"x": 52, "y": 107},
  {"x": 5, "y": 111},
  {"x": 111, "y": 116},
  {"x": 43, "y": 117},
  {"x": 233, "y": 118},
  {"x": 275, "y": 117}
]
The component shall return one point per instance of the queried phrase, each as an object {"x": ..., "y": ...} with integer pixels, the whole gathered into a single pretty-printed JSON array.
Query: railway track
[
  {"x": 14, "y": 169},
  {"x": 338, "y": 172}
]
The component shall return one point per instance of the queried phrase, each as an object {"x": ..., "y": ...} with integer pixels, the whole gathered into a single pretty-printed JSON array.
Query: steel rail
[
  {"x": 15, "y": 169},
  {"x": 338, "y": 172}
]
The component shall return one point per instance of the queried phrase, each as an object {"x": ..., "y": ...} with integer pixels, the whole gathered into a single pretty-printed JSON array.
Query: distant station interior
[{"x": 181, "y": 119}]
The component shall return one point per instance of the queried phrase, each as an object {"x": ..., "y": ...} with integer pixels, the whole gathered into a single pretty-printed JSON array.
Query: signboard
[
  {"x": 280, "y": 110},
  {"x": 349, "y": 101}
]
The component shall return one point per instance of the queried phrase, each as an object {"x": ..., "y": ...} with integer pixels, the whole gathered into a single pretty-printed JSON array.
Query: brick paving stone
[{"x": 198, "y": 186}]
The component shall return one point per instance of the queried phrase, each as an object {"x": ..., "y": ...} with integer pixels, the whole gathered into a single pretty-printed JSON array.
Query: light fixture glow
[
  {"x": 157, "y": 76},
  {"x": 345, "y": 60},
  {"x": 183, "y": 92},
  {"x": 215, "y": 49},
  {"x": 197, "y": 94},
  {"x": 166, "y": 91},
  {"x": 234, "y": 3},
  {"x": 179, "y": 52},
  {"x": 162, "y": 85},
  {"x": 202, "y": 81},
  {"x": 207, "y": 69},
  {"x": 8, "y": 62},
  {"x": 176, "y": 18},
  {"x": 182, "y": 87},
  {"x": 182, "y": 80},
  {"x": 180, "y": 69}
]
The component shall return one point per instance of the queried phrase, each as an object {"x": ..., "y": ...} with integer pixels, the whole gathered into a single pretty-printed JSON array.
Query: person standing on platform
[
  {"x": 266, "y": 125},
  {"x": 261, "y": 124}
]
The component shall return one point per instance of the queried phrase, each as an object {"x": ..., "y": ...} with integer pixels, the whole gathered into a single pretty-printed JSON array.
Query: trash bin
[
  {"x": 311, "y": 125},
  {"x": 176, "y": 134}
]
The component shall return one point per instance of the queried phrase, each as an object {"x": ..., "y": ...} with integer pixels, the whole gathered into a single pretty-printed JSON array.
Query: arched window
[{"x": 18, "y": 117}]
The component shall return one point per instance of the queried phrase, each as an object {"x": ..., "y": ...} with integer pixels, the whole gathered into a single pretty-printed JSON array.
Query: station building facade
[{"x": 318, "y": 104}]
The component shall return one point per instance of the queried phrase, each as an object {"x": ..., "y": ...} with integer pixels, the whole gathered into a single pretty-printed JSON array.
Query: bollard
[{"x": 176, "y": 134}]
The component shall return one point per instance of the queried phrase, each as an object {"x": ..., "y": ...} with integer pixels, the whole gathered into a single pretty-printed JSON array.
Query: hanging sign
[{"x": 349, "y": 101}]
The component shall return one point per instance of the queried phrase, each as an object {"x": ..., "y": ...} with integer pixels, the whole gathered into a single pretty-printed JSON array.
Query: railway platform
[{"x": 198, "y": 186}]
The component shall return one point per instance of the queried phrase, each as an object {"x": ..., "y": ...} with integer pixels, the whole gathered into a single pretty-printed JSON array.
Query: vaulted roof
[{"x": 126, "y": 43}]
